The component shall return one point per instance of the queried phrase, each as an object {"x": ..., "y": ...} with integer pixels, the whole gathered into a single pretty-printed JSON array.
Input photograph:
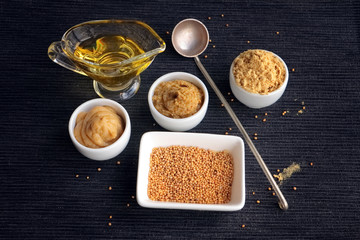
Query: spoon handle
[{"x": 282, "y": 201}]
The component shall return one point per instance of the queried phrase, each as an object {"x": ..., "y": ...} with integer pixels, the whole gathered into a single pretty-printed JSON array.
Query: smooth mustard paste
[{"x": 98, "y": 128}]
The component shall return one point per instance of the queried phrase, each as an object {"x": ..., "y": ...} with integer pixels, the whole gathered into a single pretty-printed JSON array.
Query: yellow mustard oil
[{"x": 106, "y": 60}]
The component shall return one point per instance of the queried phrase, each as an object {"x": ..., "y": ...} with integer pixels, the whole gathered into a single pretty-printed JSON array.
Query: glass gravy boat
[{"x": 111, "y": 52}]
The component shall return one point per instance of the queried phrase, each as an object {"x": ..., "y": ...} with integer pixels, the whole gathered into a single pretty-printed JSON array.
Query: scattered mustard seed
[
  {"x": 304, "y": 107},
  {"x": 311, "y": 164},
  {"x": 110, "y": 188},
  {"x": 255, "y": 138},
  {"x": 210, "y": 40},
  {"x": 206, "y": 56},
  {"x": 303, "y": 103},
  {"x": 118, "y": 162},
  {"x": 222, "y": 15},
  {"x": 222, "y": 105},
  {"x": 255, "y": 134},
  {"x": 133, "y": 197},
  {"x": 77, "y": 175},
  {"x": 214, "y": 46},
  {"x": 253, "y": 193},
  {"x": 109, "y": 224},
  {"x": 232, "y": 99},
  {"x": 209, "y": 18},
  {"x": 248, "y": 41},
  {"x": 226, "y": 133},
  {"x": 99, "y": 169},
  {"x": 278, "y": 170},
  {"x": 273, "y": 193},
  {"x": 243, "y": 225},
  {"x": 87, "y": 177},
  {"x": 266, "y": 114},
  {"x": 230, "y": 129},
  {"x": 264, "y": 120},
  {"x": 128, "y": 205},
  {"x": 277, "y": 33},
  {"x": 227, "y": 25},
  {"x": 293, "y": 69},
  {"x": 229, "y": 93},
  {"x": 294, "y": 188},
  {"x": 258, "y": 201},
  {"x": 167, "y": 32},
  {"x": 110, "y": 217},
  {"x": 269, "y": 188},
  {"x": 256, "y": 116}
]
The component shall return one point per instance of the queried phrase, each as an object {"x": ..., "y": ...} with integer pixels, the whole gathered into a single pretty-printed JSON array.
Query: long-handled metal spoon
[{"x": 190, "y": 38}]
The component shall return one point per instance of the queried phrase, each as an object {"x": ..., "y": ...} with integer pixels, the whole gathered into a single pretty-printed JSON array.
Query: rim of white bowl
[
  {"x": 100, "y": 102},
  {"x": 271, "y": 93},
  {"x": 161, "y": 79}
]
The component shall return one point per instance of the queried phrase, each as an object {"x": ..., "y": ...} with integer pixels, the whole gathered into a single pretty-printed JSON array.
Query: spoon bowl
[{"x": 190, "y": 37}]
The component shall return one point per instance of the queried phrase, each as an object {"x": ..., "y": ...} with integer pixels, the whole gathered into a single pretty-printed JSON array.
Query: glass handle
[{"x": 56, "y": 53}]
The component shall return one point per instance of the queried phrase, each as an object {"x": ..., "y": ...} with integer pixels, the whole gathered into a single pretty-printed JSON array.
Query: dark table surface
[{"x": 40, "y": 196}]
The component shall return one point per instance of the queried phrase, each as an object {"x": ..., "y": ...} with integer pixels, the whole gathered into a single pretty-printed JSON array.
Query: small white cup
[
  {"x": 255, "y": 100},
  {"x": 182, "y": 124},
  {"x": 112, "y": 150}
]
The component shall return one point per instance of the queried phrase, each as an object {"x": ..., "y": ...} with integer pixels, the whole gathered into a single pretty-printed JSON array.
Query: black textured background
[{"x": 40, "y": 197}]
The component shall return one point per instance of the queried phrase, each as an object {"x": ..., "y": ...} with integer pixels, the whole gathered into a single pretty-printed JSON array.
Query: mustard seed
[
  {"x": 99, "y": 169},
  {"x": 258, "y": 201},
  {"x": 77, "y": 175},
  {"x": 243, "y": 225},
  {"x": 190, "y": 175},
  {"x": 109, "y": 224},
  {"x": 118, "y": 162},
  {"x": 87, "y": 177},
  {"x": 110, "y": 217},
  {"x": 110, "y": 188}
]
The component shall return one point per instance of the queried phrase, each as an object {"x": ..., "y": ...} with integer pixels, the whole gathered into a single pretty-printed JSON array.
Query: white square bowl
[{"x": 233, "y": 144}]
